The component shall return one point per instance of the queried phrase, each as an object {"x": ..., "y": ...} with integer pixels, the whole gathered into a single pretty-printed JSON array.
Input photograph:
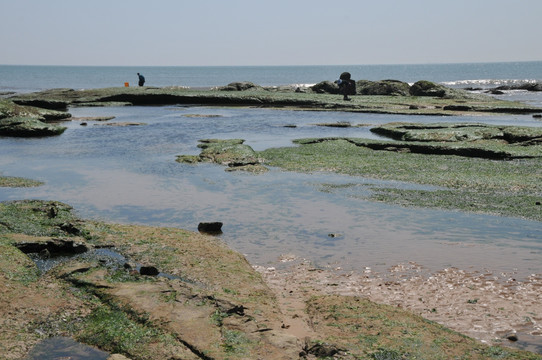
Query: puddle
[
  {"x": 65, "y": 348},
  {"x": 107, "y": 257},
  {"x": 527, "y": 342}
]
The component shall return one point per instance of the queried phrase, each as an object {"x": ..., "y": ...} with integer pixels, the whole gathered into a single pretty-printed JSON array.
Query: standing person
[
  {"x": 141, "y": 79},
  {"x": 347, "y": 86}
]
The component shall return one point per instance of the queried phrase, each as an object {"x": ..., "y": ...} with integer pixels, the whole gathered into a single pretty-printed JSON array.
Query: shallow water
[
  {"x": 129, "y": 175},
  {"x": 65, "y": 348}
]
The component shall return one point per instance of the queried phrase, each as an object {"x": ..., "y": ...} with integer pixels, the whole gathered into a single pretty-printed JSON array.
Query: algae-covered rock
[
  {"x": 37, "y": 218},
  {"x": 325, "y": 87},
  {"x": 427, "y": 88},
  {"x": 231, "y": 152},
  {"x": 13, "y": 181},
  {"x": 240, "y": 86},
  {"x": 383, "y": 87},
  {"x": 52, "y": 104},
  {"x": 536, "y": 86},
  {"x": 28, "y": 121},
  {"x": 10, "y": 108},
  {"x": 28, "y": 127},
  {"x": 431, "y": 89},
  {"x": 468, "y": 132},
  {"x": 228, "y": 152}
]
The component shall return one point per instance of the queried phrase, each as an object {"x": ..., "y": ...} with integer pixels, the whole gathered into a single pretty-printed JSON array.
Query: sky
[{"x": 270, "y": 32}]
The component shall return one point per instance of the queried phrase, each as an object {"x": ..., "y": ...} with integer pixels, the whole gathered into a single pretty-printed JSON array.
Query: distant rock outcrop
[
  {"x": 366, "y": 87},
  {"x": 240, "y": 86},
  {"x": 28, "y": 121},
  {"x": 383, "y": 87},
  {"x": 427, "y": 88},
  {"x": 325, "y": 87},
  {"x": 526, "y": 86},
  {"x": 28, "y": 127}
]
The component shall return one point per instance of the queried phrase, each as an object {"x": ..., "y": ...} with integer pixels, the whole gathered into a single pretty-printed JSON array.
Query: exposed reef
[
  {"x": 387, "y": 96},
  {"x": 29, "y": 121},
  {"x": 232, "y": 153}
]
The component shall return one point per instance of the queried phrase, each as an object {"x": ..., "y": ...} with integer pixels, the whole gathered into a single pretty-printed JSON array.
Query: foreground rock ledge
[{"x": 209, "y": 304}]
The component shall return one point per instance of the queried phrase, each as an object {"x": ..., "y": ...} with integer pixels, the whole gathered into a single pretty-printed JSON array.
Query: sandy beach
[{"x": 486, "y": 306}]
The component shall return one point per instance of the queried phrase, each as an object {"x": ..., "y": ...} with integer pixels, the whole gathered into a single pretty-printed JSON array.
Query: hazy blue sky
[{"x": 271, "y": 32}]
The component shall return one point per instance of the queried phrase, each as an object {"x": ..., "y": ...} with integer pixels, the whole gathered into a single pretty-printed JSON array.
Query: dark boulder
[
  {"x": 495, "y": 92},
  {"x": 427, "y": 88},
  {"x": 240, "y": 86},
  {"x": 210, "y": 227},
  {"x": 325, "y": 87},
  {"x": 53, "y": 247},
  {"x": 525, "y": 86},
  {"x": 383, "y": 87},
  {"x": 149, "y": 271},
  {"x": 533, "y": 87}
]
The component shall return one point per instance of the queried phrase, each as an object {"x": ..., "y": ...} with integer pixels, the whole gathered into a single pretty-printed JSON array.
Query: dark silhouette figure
[
  {"x": 347, "y": 86},
  {"x": 141, "y": 79}
]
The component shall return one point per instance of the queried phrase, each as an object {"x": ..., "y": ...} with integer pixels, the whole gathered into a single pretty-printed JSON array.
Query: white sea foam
[
  {"x": 487, "y": 83},
  {"x": 293, "y": 86}
]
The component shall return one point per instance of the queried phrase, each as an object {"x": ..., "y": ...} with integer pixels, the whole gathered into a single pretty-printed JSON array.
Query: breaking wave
[{"x": 487, "y": 83}]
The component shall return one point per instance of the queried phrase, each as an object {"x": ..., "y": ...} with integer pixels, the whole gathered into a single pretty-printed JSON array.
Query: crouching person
[{"x": 347, "y": 86}]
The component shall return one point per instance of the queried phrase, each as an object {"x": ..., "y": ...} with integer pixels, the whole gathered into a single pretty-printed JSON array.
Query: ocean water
[{"x": 485, "y": 75}]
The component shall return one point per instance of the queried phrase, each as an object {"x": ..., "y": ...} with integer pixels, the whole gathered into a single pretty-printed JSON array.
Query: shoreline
[
  {"x": 485, "y": 306},
  {"x": 272, "y": 313}
]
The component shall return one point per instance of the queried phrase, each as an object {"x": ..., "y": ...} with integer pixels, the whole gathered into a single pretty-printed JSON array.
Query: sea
[
  {"x": 480, "y": 75},
  {"x": 129, "y": 174}
]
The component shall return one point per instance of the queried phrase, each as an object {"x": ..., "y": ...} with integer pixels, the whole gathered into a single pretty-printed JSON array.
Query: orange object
[{"x": 126, "y": 84}]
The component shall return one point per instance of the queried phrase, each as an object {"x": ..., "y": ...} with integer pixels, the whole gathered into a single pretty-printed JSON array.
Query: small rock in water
[{"x": 210, "y": 227}]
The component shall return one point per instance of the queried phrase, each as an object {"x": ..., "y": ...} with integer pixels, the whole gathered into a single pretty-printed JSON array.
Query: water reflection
[
  {"x": 65, "y": 348},
  {"x": 130, "y": 175}
]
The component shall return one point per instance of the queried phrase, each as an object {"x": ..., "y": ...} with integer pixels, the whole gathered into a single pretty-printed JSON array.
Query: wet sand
[{"x": 486, "y": 306}]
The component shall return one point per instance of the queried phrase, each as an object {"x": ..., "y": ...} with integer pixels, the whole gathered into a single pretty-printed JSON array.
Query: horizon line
[{"x": 284, "y": 65}]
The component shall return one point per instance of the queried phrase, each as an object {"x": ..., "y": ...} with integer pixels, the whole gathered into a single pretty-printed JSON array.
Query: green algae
[
  {"x": 484, "y": 175},
  {"x": 364, "y": 330},
  {"x": 231, "y": 152},
  {"x": 13, "y": 181}
]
